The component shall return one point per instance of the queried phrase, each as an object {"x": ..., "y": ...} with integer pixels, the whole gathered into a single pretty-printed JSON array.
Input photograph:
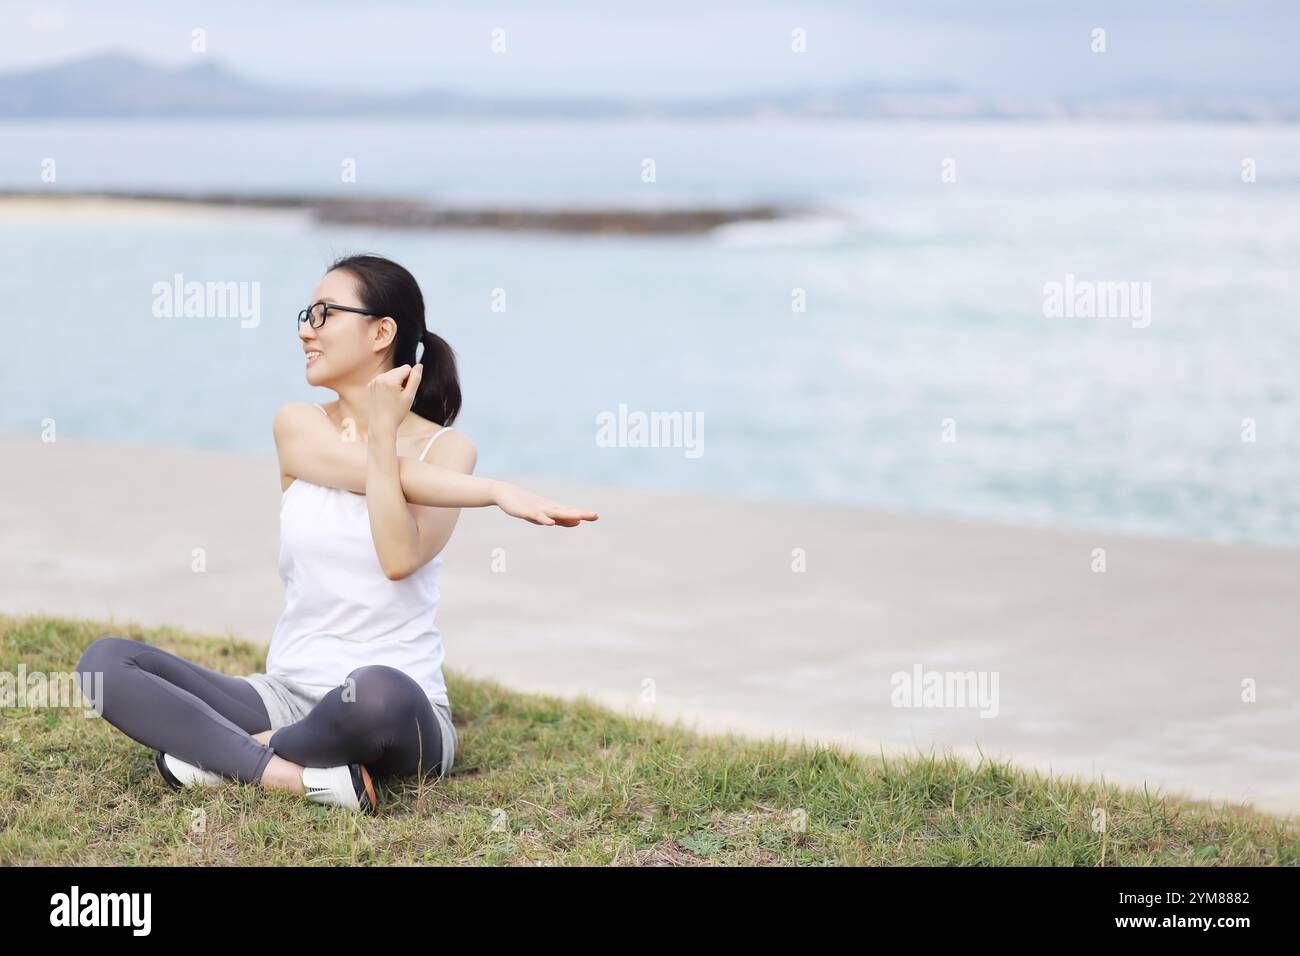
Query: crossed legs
[{"x": 379, "y": 717}]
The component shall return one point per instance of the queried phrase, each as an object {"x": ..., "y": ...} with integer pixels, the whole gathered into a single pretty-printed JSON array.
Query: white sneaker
[
  {"x": 344, "y": 786},
  {"x": 177, "y": 773}
]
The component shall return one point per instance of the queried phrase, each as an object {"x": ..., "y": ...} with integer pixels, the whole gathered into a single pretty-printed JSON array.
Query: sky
[{"x": 691, "y": 50}]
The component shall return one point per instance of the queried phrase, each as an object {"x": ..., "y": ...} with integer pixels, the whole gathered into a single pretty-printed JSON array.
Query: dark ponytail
[
  {"x": 388, "y": 289},
  {"x": 439, "y": 396}
]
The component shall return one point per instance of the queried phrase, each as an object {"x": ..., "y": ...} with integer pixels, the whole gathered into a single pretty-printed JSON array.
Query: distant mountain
[
  {"x": 121, "y": 86},
  {"x": 116, "y": 85}
]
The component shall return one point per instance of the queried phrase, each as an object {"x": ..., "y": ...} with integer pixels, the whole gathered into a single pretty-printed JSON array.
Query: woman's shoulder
[
  {"x": 292, "y": 413},
  {"x": 453, "y": 448},
  {"x": 425, "y": 428}
]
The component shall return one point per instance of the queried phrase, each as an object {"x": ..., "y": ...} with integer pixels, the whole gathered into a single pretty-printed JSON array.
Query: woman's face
[{"x": 347, "y": 341}]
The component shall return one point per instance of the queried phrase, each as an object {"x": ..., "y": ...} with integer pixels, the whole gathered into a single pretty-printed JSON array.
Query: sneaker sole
[
  {"x": 169, "y": 778},
  {"x": 365, "y": 788}
]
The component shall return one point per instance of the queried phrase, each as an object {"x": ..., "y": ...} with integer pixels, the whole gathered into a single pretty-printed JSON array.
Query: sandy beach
[{"x": 689, "y": 607}]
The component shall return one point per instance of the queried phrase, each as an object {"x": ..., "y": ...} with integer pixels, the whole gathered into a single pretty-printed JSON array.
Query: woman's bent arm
[{"x": 392, "y": 526}]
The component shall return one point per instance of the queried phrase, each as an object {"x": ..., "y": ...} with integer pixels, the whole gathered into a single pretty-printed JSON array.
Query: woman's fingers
[
  {"x": 538, "y": 510},
  {"x": 569, "y": 517},
  {"x": 394, "y": 376},
  {"x": 413, "y": 381}
]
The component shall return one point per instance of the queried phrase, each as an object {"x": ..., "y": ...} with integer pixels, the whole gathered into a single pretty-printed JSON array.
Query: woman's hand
[
  {"x": 519, "y": 503},
  {"x": 391, "y": 395}
]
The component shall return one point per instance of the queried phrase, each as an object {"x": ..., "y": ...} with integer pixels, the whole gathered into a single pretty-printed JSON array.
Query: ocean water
[{"x": 922, "y": 374}]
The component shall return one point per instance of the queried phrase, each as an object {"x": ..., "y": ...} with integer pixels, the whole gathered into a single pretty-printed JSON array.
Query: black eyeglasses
[{"x": 318, "y": 313}]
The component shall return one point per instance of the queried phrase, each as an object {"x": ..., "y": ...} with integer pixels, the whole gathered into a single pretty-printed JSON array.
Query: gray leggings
[{"x": 380, "y": 718}]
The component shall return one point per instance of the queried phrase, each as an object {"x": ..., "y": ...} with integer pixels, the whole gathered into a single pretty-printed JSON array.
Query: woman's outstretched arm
[{"x": 311, "y": 448}]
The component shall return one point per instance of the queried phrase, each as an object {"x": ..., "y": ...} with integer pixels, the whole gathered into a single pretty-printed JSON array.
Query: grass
[{"x": 545, "y": 781}]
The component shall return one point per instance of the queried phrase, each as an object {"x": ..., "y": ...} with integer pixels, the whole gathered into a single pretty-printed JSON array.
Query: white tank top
[{"x": 340, "y": 610}]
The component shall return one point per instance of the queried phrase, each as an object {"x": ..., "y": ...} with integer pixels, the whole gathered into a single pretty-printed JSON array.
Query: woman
[{"x": 353, "y": 687}]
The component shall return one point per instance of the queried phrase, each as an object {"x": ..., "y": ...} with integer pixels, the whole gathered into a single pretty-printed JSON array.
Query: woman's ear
[{"x": 385, "y": 332}]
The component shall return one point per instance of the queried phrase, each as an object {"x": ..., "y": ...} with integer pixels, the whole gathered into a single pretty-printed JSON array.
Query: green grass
[{"x": 545, "y": 781}]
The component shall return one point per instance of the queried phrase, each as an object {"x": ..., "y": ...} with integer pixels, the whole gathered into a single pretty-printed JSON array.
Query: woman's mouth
[{"x": 313, "y": 356}]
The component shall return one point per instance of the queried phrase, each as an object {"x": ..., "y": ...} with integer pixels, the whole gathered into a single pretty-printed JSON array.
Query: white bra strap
[
  {"x": 322, "y": 410},
  {"x": 436, "y": 436}
]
